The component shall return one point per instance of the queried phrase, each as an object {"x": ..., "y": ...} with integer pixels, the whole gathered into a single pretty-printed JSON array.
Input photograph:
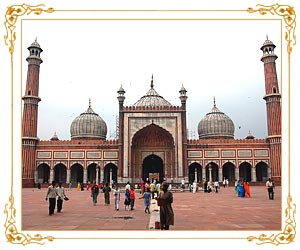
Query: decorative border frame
[{"x": 286, "y": 12}]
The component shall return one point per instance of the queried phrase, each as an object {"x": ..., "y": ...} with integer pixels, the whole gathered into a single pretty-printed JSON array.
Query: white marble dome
[
  {"x": 88, "y": 125},
  {"x": 216, "y": 124}
]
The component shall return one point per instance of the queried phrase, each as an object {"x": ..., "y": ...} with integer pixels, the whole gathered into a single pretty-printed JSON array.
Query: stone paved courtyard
[{"x": 193, "y": 211}]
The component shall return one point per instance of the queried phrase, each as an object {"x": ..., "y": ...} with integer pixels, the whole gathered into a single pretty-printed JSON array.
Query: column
[
  {"x": 203, "y": 173},
  {"x": 51, "y": 175},
  {"x": 269, "y": 172},
  {"x": 97, "y": 174},
  {"x": 85, "y": 176},
  {"x": 101, "y": 174},
  {"x": 253, "y": 175},
  {"x": 237, "y": 173},
  {"x": 220, "y": 174},
  {"x": 110, "y": 177},
  {"x": 210, "y": 174},
  {"x": 68, "y": 175},
  {"x": 35, "y": 176},
  {"x": 196, "y": 179}
]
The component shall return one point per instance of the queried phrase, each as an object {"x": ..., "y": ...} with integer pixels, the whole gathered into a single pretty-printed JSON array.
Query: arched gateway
[
  {"x": 152, "y": 153},
  {"x": 153, "y": 168}
]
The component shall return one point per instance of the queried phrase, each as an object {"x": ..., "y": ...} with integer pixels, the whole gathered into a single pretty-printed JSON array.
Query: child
[
  {"x": 117, "y": 198},
  {"x": 132, "y": 197},
  {"x": 127, "y": 199},
  {"x": 147, "y": 197}
]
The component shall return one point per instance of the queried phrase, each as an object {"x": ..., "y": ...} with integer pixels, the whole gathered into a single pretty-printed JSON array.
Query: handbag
[
  {"x": 160, "y": 202},
  {"x": 66, "y": 198}
]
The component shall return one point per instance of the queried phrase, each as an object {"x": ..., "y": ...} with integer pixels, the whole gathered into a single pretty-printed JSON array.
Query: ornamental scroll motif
[
  {"x": 289, "y": 17},
  {"x": 11, "y": 17},
  {"x": 13, "y": 235},
  {"x": 11, "y": 231}
]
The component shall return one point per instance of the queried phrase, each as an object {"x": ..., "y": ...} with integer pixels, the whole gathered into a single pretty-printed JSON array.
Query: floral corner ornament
[
  {"x": 13, "y": 13},
  {"x": 289, "y": 17}
]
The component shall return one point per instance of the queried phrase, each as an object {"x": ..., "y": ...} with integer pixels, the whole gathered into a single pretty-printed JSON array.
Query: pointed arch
[
  {"x": 60, "y": 173},
  {"x": 153, "y": 168},
  {"x": 214, "y": 171},
  {"x": 152, "y": 140},
  {"x": 77, "y": 173},
  {"x": 195, "y": 172},
  {"x": 245, "y": 171},
  {"x": 110, "y": 173},
  {"x": 261, "y": 171},
  {"x": 151, "y": 135},
  {"x": 91, "y": 172},
  {"x": 229, "y": 172},
  {"x": 43, "y": 173}
]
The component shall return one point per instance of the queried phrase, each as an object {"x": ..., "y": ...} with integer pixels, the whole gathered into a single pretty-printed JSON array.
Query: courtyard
[{"x": 193, "y": 211}]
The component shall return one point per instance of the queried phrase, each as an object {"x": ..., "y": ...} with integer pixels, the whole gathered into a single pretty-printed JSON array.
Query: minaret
[
  {"x": 30, "y": 114},
  {"x": 273, "y": 104},
  {"x": 121, "y": 98},
  {"x": 183, "y": 98}
]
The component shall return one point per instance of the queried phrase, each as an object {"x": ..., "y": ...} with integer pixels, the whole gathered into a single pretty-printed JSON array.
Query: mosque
[{"x": 152, "y": 140}]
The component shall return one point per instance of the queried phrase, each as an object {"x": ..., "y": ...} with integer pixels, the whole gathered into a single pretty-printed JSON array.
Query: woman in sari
[{"x": 247, "y": 188}]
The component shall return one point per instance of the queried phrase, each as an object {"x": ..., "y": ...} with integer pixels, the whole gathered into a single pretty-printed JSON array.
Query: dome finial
[
  {"x": 151, "y": 82},
  {"x": 214, "y": 101},
  {"x": 89, "y": 102}
]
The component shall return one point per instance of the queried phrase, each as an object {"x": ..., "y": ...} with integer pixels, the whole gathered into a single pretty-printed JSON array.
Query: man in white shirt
[
  {"x": 270, "y": 187},
  {"x": 127, "y": 186},
  {"x": 61, "y": 195},
  {"x": 51, "y": 194}
]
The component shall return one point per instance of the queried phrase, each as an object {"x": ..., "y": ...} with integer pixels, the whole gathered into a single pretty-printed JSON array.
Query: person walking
[
  {"x": 152, "y": 189},
  {"x": 235, "y": 185},
  {"x": 127, "y": 199},
  {"x": 205, "y": 185},
  {"x": 147, "y": 197},
  {"x": 132, "y": 197},
  {"x": 142, "y": 186},
  {"x": 166, "y": 213},
  {"x": 157, "y": 188},
  {"x": 95, "y": 193},
  {"x": 51, "y": 195},
  {"x": 116, "y": 197},
  {"x": 127, "y": 186},
  {"x": 270, "y": 187},
  {"x": 194, "y": 186},
  {"x": 106, "y": 190},
  {"x": 61, "y": 195},
  {"x": 247, "y": 188},
  {"x": 216, "y": 186},
  {"x": 240, "y": 188},
  {"x": 224, "y": 182},
  {"x": 182, "y": 185}
]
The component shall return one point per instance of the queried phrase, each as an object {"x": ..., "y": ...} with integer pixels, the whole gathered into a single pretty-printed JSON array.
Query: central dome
[
  {"x": 88, "y": 125},
  {"x": 152, "y": 99},
  {"x": 216, "y": 124}
]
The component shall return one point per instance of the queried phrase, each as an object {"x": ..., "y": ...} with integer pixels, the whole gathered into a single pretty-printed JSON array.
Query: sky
[{"x": 91, "y": 59}]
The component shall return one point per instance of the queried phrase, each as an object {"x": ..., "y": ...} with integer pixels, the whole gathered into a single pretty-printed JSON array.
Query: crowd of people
[{"x": 148, "y": 190}]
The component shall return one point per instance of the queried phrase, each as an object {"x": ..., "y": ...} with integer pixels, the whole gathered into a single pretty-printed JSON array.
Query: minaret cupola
[
  {"x": 35, "y": 52},
  {"x": 183, "y": 96},
  {"x": 121, "y": 95}
]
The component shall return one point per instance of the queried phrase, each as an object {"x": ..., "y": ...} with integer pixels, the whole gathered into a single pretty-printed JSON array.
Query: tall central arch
[{"x": 152, "y": 150}]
